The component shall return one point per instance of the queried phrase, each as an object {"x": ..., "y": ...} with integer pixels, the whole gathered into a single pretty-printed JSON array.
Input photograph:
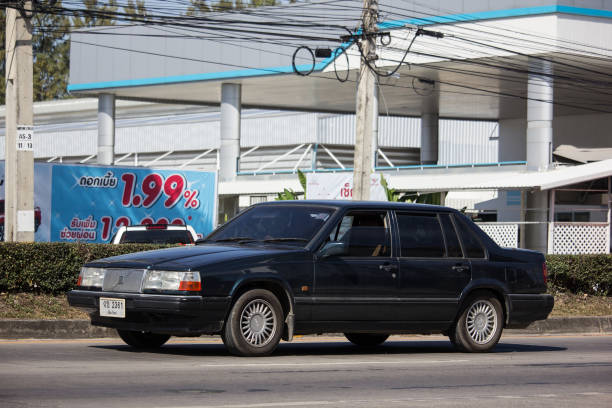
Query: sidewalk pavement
[{"x": 80, "y": 329}]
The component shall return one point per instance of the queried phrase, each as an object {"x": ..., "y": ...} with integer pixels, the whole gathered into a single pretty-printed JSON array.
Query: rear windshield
[{"x": 157, "y": 237}]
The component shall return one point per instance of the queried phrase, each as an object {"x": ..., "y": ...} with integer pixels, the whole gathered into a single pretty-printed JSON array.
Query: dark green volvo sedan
[{"x": 365, "y": 269}]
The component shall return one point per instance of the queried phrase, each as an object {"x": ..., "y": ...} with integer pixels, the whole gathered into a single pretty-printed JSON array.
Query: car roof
[
  {"x": 362, "y": 204},
  {"x": 144, "y": 227}
]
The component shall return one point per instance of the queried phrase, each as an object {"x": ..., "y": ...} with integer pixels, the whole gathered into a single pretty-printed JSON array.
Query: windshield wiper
[
  {"x": 285, "y": 239},
  {"x": 234, "y": 239}
]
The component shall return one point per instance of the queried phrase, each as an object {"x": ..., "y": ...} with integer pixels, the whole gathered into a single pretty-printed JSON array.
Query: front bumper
[
  {"x": 169, "y": 314},
  {"x": 526, "y": 309}
]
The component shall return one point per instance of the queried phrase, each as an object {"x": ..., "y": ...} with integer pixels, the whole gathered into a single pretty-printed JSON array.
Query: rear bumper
[
  {"x": 169, "y": 314},
  {"x": 526, "y": 309}
]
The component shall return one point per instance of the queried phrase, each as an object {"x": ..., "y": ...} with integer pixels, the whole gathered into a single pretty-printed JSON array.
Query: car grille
[{"x": 122, "y": 280}]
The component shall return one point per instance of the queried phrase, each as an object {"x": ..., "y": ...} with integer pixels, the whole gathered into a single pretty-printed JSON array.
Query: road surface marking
[
  {"x": 386, "y": 402},
  {"x": 331, "y": 363}
]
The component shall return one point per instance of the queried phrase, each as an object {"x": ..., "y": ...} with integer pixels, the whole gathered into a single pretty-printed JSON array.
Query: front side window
[
  {"x": 291, "y": 224},
  {"x": 420, "y": 235},
  {"x": 364, "y": 234}
]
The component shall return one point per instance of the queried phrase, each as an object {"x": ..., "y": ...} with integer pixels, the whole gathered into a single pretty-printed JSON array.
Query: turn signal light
[
  {"x": 545, "y": 272},
  {"x": 190, "y": 286}
]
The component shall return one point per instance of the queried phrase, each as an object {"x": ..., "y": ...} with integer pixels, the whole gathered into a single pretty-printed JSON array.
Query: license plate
[{"x": 111, "y": 307}]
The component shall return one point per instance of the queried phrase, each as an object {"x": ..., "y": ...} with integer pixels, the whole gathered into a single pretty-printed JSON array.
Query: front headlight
[
  {"x": 91, "y": 277},
  {"x": 170, "y": 280}
]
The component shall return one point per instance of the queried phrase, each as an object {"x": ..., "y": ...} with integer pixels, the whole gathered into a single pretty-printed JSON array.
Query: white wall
[
  {"x": 578, "y": 130},
  {"x": 512, "y": 140},
  {"x": 583, "y": 130}
]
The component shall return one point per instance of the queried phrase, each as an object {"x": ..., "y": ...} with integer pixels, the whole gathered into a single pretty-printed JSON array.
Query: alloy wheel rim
[
  {"x": 258, "y": 323},
  {"x": 481, "y": 322}
]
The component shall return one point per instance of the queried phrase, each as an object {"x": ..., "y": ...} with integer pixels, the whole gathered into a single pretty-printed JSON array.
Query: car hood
[{"x": 190, "y": 257}]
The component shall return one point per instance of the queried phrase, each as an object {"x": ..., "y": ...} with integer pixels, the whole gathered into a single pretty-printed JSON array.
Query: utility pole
[
  {"x": 19, "y": 162},
  {"x": 365, "y": 103}
]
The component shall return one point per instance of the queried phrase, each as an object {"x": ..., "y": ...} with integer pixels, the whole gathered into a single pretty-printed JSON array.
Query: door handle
[
  {"x": 387, "y": 267},
  {"x": 461, "y": 268}
]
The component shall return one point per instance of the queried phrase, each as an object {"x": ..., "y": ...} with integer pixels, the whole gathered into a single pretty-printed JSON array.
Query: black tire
[
  {"x": 140, "y": 339},
  {"x": 480, "y": 324},
  {"x": 366, "y": 339},
  {"x": 254, "y": 326}
]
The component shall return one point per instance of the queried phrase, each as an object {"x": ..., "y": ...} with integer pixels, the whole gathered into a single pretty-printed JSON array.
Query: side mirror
[{"x": 333, "y": 249}]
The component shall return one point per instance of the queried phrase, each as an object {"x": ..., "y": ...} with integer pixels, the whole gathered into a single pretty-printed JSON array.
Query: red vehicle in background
[{"x": 37, "y": 219}]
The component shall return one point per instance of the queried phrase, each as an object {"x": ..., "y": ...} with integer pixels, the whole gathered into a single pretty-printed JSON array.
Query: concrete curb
[
  {"x": 82, "y": 329},
  {"x": 561, "y": 325},
  {"x": 52, "y": 329}
]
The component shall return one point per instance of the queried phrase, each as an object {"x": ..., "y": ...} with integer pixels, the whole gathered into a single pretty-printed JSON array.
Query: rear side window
[
  {"x": 453, "y": 248},
  {"x": 420, "y": 235},
  {"x": 157, "y": 237},
  {"x": 471, "y": 244}
]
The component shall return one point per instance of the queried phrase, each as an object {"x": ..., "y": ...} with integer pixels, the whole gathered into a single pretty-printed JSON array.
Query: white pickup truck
[{"x": 155, "y": 234}]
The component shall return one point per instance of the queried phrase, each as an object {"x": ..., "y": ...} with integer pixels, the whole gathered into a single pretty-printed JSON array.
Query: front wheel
[
  {"x": 366, "y": 339},
  {"x": 140, "y": 339},
  {"x": 480, "y": 325},
  {"x": 255, "y": 324}
]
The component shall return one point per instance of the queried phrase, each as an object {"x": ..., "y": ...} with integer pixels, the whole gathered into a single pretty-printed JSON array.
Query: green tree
[
  {"x": 197, "y": 8},
  {"x": 51, "y": 46},
  {"x": 200, "y": 7},
  {"x": 95, "y": 15},
  {"x": 262, "y": 3},
  {"x": 289, "y": 194},
  {"x": 414, "y": 197},
  {"x": 51, "y": 51},
  {"x": 223, "y": 5},
  {"x": 136, "y": 8}
]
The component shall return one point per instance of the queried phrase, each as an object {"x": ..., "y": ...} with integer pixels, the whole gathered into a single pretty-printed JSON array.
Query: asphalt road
[{"x": 557, "y": 371}]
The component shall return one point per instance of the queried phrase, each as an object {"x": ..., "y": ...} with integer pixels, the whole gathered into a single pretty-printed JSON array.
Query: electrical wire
[{"x": 220, "y": 26}]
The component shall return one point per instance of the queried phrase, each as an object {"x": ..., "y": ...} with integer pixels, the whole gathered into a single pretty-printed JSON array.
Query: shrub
[
  {"x": 591, "y": 274},
  {"x": 52, "y": 267}
]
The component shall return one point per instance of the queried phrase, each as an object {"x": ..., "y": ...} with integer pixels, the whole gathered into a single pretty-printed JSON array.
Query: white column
[
  {"x": 106, "y": 129},
  {"x": 230, "y": 131},
  {"x": 539, "y": 116},
  {"x": 539, "y": 149},
  {"x": 609, "y": 217},
  {"x": 536, "y": 214},
  {"x": 429, "y": 131},
  {"x": 229, "y": 151},
  {"x": 551, "y": 222}
]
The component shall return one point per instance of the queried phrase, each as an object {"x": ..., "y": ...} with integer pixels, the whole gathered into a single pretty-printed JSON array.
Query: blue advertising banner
[
  {"x": 42, "y": 200},
  {"x": 90, "y": 203}
]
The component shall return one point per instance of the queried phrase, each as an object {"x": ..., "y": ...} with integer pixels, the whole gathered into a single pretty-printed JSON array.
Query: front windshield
[{"x": 290, "y": 224}]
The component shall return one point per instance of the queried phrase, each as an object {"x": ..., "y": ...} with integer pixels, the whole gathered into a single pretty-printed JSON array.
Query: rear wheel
[
  {"x": 255, "y": 324},
  {"x": 366, "y": 339},
  {"x": 480, "y": 325},
  {"x": 140, "y": 339}
]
